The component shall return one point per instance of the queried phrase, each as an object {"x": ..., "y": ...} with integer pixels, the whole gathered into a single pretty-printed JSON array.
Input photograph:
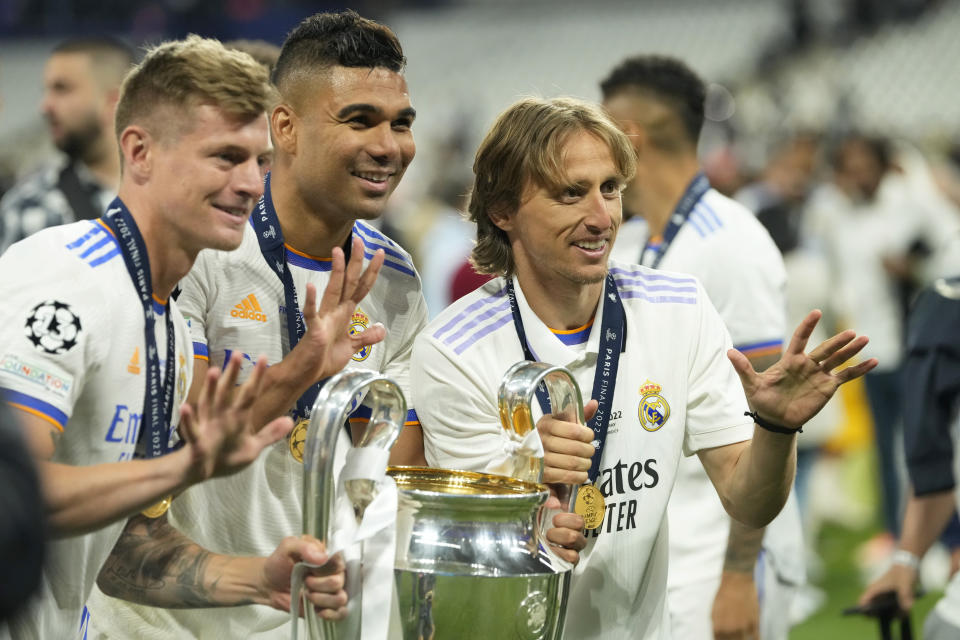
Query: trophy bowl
[{"x": 470, "y": 560}]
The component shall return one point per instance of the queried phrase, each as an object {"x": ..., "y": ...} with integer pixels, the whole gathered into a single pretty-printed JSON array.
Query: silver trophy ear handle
[
  {"x": 333, "y": 405},
  {"x": 516, "y": 394}
]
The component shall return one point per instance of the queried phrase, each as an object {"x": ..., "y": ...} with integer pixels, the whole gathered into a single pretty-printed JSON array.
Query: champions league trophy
[{"x": 471, "y": 560}]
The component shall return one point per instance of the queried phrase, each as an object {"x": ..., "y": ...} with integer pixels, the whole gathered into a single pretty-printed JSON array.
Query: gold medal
[
  {"x": 298, "y": 438},
  {"x": 158, "y": 509},
  {"x": 590, "y": 505}
]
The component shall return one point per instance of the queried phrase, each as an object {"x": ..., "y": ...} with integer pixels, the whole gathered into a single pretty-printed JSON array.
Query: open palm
[{"x": 795, "y": 388}]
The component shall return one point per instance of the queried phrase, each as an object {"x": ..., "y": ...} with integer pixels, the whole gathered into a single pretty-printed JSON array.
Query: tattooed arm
[{"x": 154, "y": 564}]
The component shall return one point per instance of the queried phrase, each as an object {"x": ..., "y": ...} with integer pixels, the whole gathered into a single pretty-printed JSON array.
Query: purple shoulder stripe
[
  {"x": 460, "y": 317},
  {"x": 493, "y": 326}
]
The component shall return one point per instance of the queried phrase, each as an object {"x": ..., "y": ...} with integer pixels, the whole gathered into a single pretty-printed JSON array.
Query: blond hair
[
  {"x": 184, "y": 73},
  {"x": 524, "y": 146}
]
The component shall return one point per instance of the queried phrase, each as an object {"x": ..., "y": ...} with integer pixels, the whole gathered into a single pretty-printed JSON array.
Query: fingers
[
  {"x": 369, "y": 276},
  {"x": 352, "y": 279},
  {"x": 333, "y": 292},
  {"x": 854, "y": 372},
  {"x": 188, "y": 427},
  {"x": 567, "y": 531},
  {"x": 225, "y": 385},
  {"x": 798, "y": 343},
  {"x": 568, "y": 450},
  {"x": 590, "y": 409},
  {"x": 371, "y": 335},
  {"x": 310, "y": 303},
  {"x": 830, "y": 361},
  {"x": 741, "y": 364},
  {"x": 207, "y": 392},
  {"x": 273, "y": 432},
  {"x": 830, "y": 346}
]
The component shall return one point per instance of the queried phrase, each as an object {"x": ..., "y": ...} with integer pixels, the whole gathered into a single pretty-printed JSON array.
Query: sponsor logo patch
[
  {"x": 58, "y": 385},
  {"x": 249, "y": 308}
]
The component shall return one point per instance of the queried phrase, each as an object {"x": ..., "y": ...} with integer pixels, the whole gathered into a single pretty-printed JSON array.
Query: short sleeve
[
  {"x": 195, "y": 291},
  {"x": 715, "y": 400},
  {"x": 48, "y": 333},
  {"x": 398, "y": 368},
  {"x": 457, "y": 408}
]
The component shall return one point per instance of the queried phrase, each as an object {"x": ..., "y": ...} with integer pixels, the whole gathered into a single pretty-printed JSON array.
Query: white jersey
[
  {"x": 72, "y": 351},
  {"x": 234, "y": 302},
  {"x": 675, "y": 357},
  {"x": 725, "y": 246}
]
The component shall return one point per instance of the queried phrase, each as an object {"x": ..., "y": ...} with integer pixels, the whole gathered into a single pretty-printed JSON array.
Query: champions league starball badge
[
  {"x": 654, "y": 410},
  {"x": 52, "y": 327},
  {"x": 298, "y": 438}
]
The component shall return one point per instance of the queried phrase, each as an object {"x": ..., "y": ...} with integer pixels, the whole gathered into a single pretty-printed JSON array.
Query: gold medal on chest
[
  {"x": 590, "y": 505},
  {"x": 298, "y": 439},
  {"x": 158, "y": 508}
]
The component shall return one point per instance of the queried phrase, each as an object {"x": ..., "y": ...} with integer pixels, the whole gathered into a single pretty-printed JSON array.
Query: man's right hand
[
  {"x": 900, "y": 579},
  {"x": 567, "y": 448}
]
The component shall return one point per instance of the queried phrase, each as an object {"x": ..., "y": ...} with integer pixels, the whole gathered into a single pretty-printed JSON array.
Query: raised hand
[
  {"x": 221, "y": 435},
  {"x": 327, "y": 346},
  {"x": 795, "y": 388}
]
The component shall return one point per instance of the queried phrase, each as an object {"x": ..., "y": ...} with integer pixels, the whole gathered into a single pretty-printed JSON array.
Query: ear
[
  {"x": 136, "y": 145},
  {"x": 637, "y": 134},
  {"x": 501, "y": 217},
  {"x": 283, "y": 126}
]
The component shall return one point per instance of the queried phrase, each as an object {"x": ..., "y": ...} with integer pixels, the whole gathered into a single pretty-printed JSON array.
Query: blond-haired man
[
  {"x": 649, "y": 345},
  {"x": 97, "y": 359}
]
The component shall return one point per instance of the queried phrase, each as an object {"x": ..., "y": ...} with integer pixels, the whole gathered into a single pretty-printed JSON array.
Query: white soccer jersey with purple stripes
[
  {"x": 674, "y": 369},
  {"x": 730, "y": 252},
  {"x": 234, "y": 302},
  {"x": 72, "y": 352}
]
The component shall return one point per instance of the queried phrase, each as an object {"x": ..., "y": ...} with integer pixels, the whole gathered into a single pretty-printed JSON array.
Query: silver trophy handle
[
  {"x": 515, "y": 396},
  {"x": 330, "y": 411}
]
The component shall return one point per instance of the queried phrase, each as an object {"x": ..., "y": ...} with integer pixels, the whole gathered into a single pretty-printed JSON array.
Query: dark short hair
[
  {"x": 111, "y": 57},
  {"x": 876, "y": 145},
  {"x": 666, "y": 79},
  {"x": 337, "y": 39}
]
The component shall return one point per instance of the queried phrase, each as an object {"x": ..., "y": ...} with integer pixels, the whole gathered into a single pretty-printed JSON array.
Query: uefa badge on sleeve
[
  {"x": 654, "y": 410},
  {"x": 358, "y": 324}
]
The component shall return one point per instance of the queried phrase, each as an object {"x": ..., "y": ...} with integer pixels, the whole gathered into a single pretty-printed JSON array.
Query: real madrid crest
[
  {"x": 358, "y": 324},
  {"x": 654, "y": 410}
]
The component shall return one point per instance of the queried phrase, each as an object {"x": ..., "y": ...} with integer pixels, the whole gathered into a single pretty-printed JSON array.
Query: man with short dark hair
[
  {"x": 342, "y": 141},
  {"x": 96, "y": 357},
  {"x": 81, "y": 86},
  {"x": 647, "y": 346},
  {"x": 678, "y": 222}
]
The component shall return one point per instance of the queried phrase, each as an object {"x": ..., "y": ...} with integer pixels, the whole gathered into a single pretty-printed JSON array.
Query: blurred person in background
[
  {"x": 679, "y": 223},
  {"x": 880, "y": 228},
  {"x": 266, "y": 53},
  {"x": 931, "y": 402},
  {"x": 81, "y": 86}
]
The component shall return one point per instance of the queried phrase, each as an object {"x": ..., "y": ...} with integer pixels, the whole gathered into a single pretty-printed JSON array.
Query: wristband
[
  {"x": 905, "y": 558},
  {"x": 769, "y": 426}
]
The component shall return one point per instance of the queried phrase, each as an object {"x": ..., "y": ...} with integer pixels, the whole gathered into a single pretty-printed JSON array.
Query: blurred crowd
[{"x": 864, "y": 220}]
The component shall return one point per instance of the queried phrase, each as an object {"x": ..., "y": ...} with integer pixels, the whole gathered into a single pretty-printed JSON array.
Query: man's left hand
[{"x": 794, "y": 389}]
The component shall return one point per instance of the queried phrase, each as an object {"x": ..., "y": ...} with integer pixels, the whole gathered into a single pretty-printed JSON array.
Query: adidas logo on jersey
[
  {"x": 134, "y": 366},
  {"x": 249, "y": 309}
]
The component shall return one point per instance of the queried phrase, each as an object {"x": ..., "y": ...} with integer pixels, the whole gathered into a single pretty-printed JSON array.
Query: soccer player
[
  {"x": 647, "y": 346},
  {"x": 97, "y": 359},
  {"x": 81, "y": 84},
  {"x": 342, "y": 138},
  {"x": 680, "y": 223}
]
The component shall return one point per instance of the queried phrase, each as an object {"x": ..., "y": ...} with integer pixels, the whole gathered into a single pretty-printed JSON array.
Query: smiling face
[
  {"x": 353, "y": 140},
  {"x": 207, "y": 179},
  {"x": 562, "y": 236}
]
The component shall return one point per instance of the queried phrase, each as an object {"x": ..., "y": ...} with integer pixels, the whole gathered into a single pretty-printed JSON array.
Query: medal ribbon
[
  {"x": 651, "y": 256},
  {"x": 158, "y": 400},
  {"x": 270, "y": 237},
  {"x": 613, "y": 340}
]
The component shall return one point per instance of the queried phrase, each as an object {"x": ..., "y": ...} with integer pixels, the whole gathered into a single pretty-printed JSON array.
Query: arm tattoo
[
  {"x": 742, "y": 547},
  {"x": 152, "y": 563}
]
